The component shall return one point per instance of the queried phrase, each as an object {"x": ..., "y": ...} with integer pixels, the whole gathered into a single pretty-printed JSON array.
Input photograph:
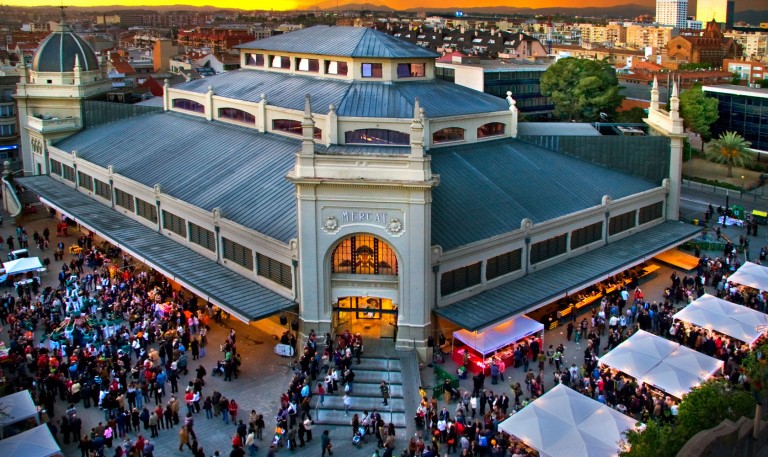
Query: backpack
[{"x": 483, "y": 440}]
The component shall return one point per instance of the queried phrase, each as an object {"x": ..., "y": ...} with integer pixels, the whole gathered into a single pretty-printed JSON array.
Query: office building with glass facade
[{"x": 743, "y": 110}]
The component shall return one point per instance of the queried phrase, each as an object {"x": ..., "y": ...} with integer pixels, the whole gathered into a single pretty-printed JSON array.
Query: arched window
[
  {"x": 377, "y": 136},
  {"x": 490, "y": 129},
  {"x": 364, "y": 255},
  {"x": 448, "y": 134},
  {"x": 293, "y": 127},
  {"x": 234, "y": 114},
  {"x": 188, "y": 105}
]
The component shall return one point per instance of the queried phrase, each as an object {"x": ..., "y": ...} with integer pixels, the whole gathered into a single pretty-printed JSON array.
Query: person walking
[
  {"x": 347, "y": 403},
  {"x": 325, "y": 443},
  {"x": 184, "y": 438},
  {"x": 384, "y": 392}
]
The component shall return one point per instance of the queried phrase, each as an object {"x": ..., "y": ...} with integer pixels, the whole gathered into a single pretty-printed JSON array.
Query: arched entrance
[{"x": 364, "y": 287}]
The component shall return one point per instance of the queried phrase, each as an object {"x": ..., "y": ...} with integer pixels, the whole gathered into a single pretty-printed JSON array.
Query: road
[{"x": 695, "y": 198}]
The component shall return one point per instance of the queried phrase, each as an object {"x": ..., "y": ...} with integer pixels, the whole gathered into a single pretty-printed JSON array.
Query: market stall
[
  {"x": 663, "y": 364},
  {"x": 23, "y": 265},
  {"x": 20, "y": 414},
  {"x": 36, "y": 442},
  {"x": 730, "y": 319},
  {"x": 752, "y": 275},
  {"x": 563, "y": 422},
  {"x": 495, "y": 341}
]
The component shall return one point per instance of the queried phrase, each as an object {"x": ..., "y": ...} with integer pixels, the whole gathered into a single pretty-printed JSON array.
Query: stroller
[
  {"x": 218, "y": 369},
  {"x": 279, "y": 436},
  {"x": 359, "y": 437}
]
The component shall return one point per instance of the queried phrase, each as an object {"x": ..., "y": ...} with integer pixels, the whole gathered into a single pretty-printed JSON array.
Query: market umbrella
[{"x": 22, "y": 265}]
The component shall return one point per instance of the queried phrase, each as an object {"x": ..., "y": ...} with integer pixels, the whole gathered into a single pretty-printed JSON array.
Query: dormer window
[
  {"x": 377, "y": 136},
  {"x": 280, "y": 62},
  {"x": 310, "y": 65},
  {"x": 293, "y": 127},
  {"x": 372, "y": 70},
  {"x": 188, "y": 105},
  {"x": 255, "y": 60},
  {"x": 333, "y": 67},
  {"x": 490, "y": 129},
  {"x": 410, "y": 70}
]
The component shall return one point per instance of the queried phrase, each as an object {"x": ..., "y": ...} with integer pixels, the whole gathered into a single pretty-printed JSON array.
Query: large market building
[{"x": 333, "y": 176}]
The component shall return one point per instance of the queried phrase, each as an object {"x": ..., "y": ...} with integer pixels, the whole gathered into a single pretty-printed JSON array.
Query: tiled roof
[
  {"x": 341, "y": 41},
  {"x": 207, "y": 164},
  {"x": 552, "y": 283},
  {"x": 351, "y": 98},
  {"x": 486, "y": 189}
]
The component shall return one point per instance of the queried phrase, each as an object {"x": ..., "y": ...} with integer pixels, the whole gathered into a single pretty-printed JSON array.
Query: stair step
[
  {"x": 362, "y": 403},
  {"x": 375, "y": 377},
  {"x": 363, "y": 389},
  {"x": 337, "y": 417},
  {"x": 377, "y": 364}
]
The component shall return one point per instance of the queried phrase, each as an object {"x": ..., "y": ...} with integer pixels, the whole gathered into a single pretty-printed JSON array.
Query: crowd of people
[{"x": 118, "y": 338}]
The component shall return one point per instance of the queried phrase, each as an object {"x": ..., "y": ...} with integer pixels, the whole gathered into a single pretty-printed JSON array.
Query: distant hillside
[
  {"x": 630, "y": 10},
  {"x": 331, "y": 5},
  {"x": 752, "y": 16}
]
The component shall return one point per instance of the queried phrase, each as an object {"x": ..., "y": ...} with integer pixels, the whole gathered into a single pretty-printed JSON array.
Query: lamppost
[{"x": 742, "y": 185}]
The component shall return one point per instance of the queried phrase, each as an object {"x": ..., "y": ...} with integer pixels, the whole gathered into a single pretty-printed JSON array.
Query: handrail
[{"x": 11, "y": 192}]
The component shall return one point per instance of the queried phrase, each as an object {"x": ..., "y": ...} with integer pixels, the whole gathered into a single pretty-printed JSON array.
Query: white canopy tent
[
  {"x": 22, "y": 265},
  {"x": 563, "y": 422},
  {"x": 724, "y": 317},
  {"x": 752, "y": 275},
  {"x": 17, "y": 407},
  {"x": 668, "y": 366},
  {"x": 35, "y": 442},
  {"x": 499, "y": 336}
]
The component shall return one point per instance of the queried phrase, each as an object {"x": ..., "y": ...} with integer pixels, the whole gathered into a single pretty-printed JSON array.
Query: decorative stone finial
[{"x": 331, "y": 109}]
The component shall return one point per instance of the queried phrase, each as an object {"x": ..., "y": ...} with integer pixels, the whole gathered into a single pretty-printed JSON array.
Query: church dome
[{"x": 58, "y": 52}]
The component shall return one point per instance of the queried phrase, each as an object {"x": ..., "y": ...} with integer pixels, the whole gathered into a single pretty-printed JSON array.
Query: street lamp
[{"x": 742, "y": 184}]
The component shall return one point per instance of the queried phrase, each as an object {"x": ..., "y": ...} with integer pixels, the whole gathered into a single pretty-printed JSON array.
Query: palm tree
[{"x": 730, "y": 148}]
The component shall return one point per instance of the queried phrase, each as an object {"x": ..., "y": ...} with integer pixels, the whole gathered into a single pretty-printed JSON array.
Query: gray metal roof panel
[
  {"x": 206, "y": 164},
  {"x": 544, "y": 286},
  {"x": 488, "y": 188},
  {"x": 558, "y": 128},
  {"x": 341, "y": 41},
  {"x": 351, "y": 98},
  {"x": 252, "y": 300}
]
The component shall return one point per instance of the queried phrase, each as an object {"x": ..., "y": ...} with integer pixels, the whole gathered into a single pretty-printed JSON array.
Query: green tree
[
  {"x": 631, "y": 116},
  {"x": 731, "y": 149},
  {"x": 703, "y": 408},
  {"x": 581, "y": 89},
  {"x": 699, "y": 112},
  {"x": 755, "y": 366}
]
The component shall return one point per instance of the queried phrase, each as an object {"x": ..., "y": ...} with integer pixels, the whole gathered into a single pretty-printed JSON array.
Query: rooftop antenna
[{"x": 62, "y": 11}]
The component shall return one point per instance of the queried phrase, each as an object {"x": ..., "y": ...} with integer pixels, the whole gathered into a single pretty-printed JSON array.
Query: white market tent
[
  {"x": 752, "y": 275},
  {"x": 17, "y": 407},
  {"x": 22, "y": 265},
  {"x": 563, "y": 422},
  {"x": 35, "y": 442},
  {"x": 499, "y": 336},
  {"x": 668, "y": 366},
  {"x": 731, "y": 319}
]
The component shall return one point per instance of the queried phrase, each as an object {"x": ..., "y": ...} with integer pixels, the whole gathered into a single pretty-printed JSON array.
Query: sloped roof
[
  {"x": 237, "y": 294},
  {"x": 341, "y": 41},
  {"x": 207, "y": 164},
  {"x": 481, "y": 189},
  {"x": 544, "y": 286},
  {"x": 351, "y": 98}
]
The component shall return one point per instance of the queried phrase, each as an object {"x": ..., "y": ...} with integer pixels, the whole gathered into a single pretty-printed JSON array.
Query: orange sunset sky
[
  {"x": 396, "y": 4},
  {"x": 293, "y": 4}
]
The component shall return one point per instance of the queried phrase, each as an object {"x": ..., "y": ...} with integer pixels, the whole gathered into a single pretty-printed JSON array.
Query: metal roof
[
  {"x": 391, "y": 99},
  {"x": 341, "y": 41},
  {"x": 240, "y": 296},
  {"x": 207, "y": 164},
  {"x": 556, "y": 128},
  {"x": 487, "y": 188},
  {"x": 570, "y": 276},
  {"x": 58, "y": 51}
]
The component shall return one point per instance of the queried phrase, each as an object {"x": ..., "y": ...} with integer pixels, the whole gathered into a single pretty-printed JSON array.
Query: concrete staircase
[{"x": 379, "y": 363}]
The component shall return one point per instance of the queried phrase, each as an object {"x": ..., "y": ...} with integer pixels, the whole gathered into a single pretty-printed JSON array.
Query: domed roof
[{"x": 58, "y": 51}]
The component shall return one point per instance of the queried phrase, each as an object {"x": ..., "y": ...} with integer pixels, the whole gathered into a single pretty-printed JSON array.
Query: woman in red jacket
[{"x": 233, "y": 410}]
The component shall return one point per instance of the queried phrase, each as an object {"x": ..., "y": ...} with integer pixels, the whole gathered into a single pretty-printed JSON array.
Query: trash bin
[
  {"x": 761, "y": 217},
  {"x": 738, "y": 211}
]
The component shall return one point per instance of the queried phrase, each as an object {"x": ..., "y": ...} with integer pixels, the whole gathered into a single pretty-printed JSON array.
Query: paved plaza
[{"x": 264, "y": 375}]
